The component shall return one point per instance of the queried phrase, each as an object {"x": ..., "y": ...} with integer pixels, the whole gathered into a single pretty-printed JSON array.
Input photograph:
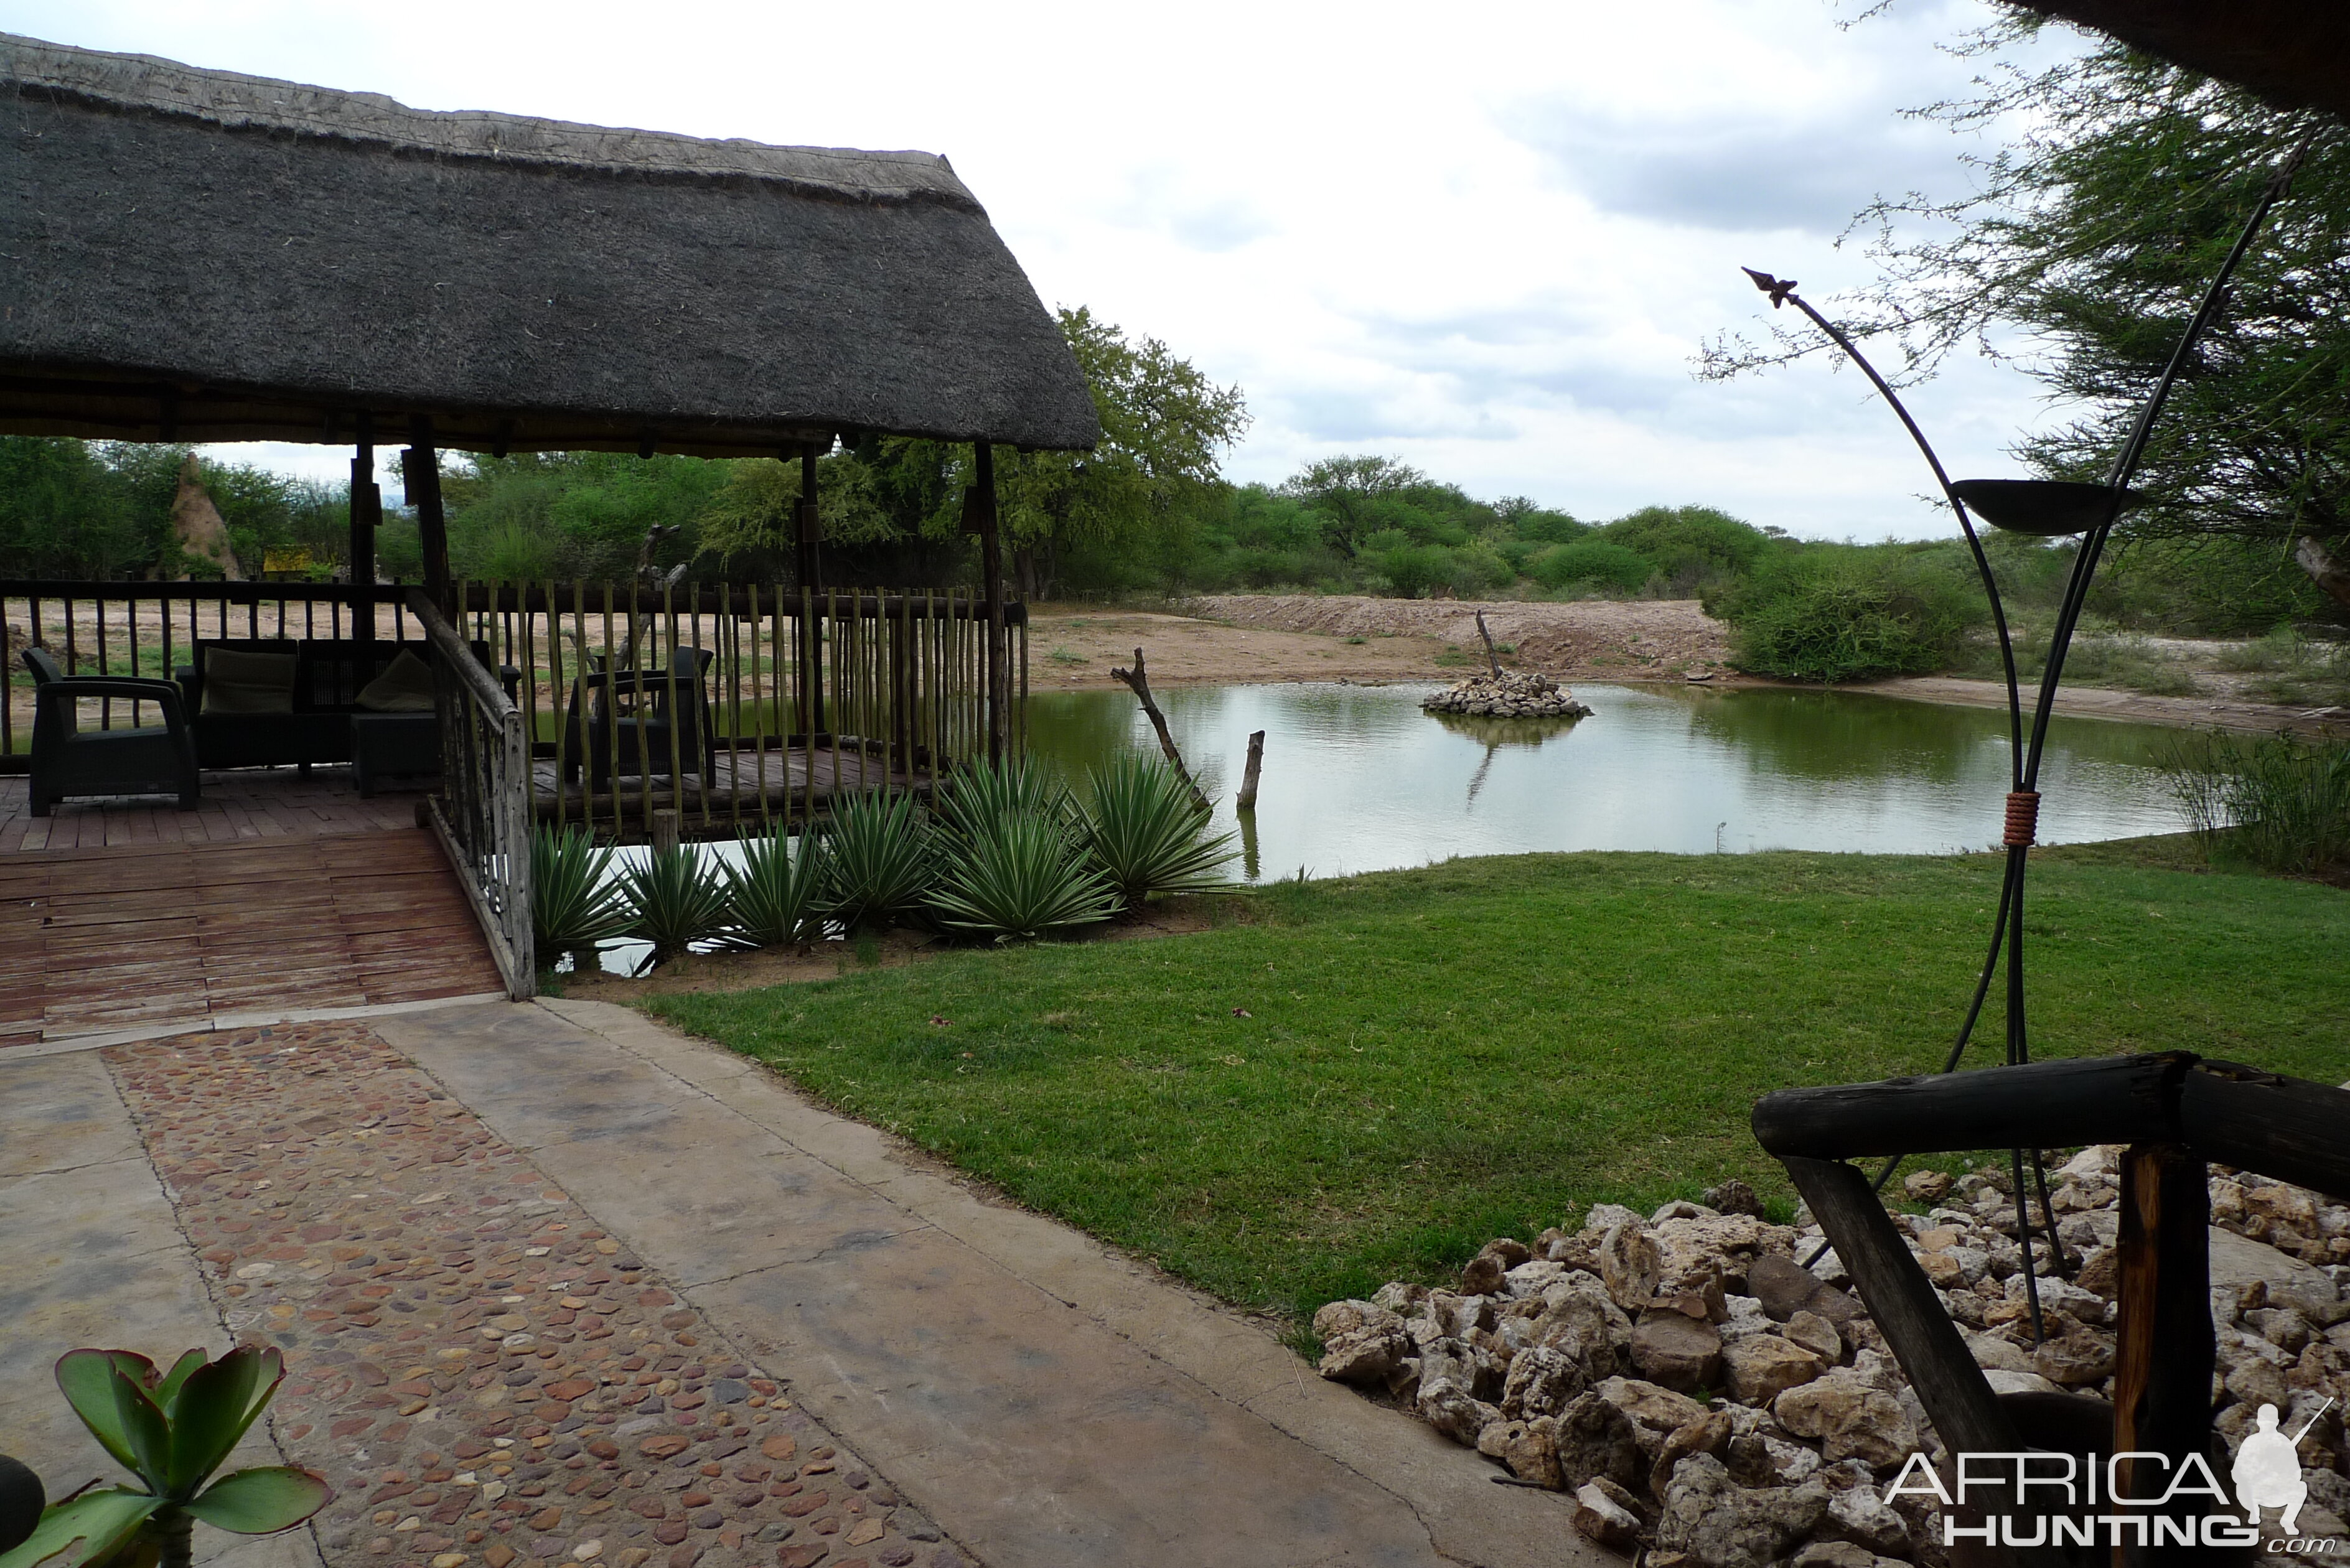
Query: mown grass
[{"x": 1365, "y": 1079}]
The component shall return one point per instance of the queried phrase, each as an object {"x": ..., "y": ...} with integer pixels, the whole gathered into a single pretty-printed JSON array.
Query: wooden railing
[
  {"x": 150, "y": 629},
  {"x": 808, "y": 693},
  {"x": 483, "y": 813},
  {"x": 796, "y": 695}
]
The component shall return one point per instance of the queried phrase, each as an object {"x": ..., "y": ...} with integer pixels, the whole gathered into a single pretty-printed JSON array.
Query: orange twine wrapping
[{"x": 2022, "y": 816}]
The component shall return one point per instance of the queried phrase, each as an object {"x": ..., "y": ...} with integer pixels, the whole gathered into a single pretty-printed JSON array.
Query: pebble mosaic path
[{"x": 485, "y": 1376}]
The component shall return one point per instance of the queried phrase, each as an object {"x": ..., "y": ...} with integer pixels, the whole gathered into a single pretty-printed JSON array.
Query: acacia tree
[
  {"x": 2081, "y": 254},
  {"x": 1355, "y": 494},
  {"x": 1163, "y": 426}
]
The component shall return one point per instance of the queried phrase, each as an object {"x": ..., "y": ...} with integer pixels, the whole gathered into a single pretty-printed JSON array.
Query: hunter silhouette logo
[{"x": 2267, "y": 1471}]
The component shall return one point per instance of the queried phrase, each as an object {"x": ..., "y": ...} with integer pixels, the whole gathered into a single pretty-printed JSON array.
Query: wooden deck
[{"x": 280, "y": 896}]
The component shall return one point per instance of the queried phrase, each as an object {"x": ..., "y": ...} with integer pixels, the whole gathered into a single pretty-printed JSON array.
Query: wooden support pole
[
  {"x": 991, "y": 559},
  {"x": 1493, "y": 660},
  {"x": 811, "y": 570},
  {"x": 664, "y": 833},
  {"x": 419, "y": 468},
  {"x": 2044, "y": 1104},
  {"x": 1247, "y": 801},
  {"x": 2163, "y": 1352},
  {"x": 367, "y": 514}
]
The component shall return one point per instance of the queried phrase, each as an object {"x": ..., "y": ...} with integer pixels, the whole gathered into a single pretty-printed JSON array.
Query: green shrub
[
  {"x": 881, "y": 855},
  {"x": 981, "y": 795},
  {"x": 1148, "y": 833},
  {"x": 572, "y": 904},
  {"x": 776, "y": 896},
  {"x": 2285, "y": 803},
  {"x": 675, "y": 900},
  {"x": 1830, "y": 612},
  {"x": 1590, "y": 563},
  {"x": 1022, "y": 875},
  {"x": 1690, "y": 546}
]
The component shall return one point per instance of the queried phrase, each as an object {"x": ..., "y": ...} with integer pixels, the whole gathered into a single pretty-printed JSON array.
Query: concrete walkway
[
  {"x": 1042, "y": 1400},
  {"x": 1046, "y": 1401},
  {"x": 90, "y": 1255}
]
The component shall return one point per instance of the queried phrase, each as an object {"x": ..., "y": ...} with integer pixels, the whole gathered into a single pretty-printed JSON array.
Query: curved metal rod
[{"x": 1783, "y": 293}]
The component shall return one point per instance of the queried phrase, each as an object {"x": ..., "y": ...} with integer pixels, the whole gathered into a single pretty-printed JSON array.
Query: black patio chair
[
  {"x": 632, "y": 723},
  {"x": 68, "y": 760}
]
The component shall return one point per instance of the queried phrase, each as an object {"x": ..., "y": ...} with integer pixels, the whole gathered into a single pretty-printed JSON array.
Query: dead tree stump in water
[
  {"x": 1247, "y": 801},
  {"x": 1139, "y": 682}
]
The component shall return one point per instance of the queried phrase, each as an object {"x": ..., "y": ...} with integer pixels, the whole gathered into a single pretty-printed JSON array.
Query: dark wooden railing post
[
  {"x": 2162, "y": 1361},
  {"x": 991, "y": 559},
  {"x": 419, "y": 468}
]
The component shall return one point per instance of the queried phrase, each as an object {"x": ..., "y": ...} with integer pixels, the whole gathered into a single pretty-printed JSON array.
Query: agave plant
[
  {"x": 1148, "y": 833},
  {"x": 573, "y": 905},
  {"x": 881, "y": 859},
  {"x": 171, "y": 1430},
  {"x": 983, "y": 795},
  {"x": 777, "y": 897},
  {"x": 675, "y": 900},
  {"x": 1021, "y": 877}
]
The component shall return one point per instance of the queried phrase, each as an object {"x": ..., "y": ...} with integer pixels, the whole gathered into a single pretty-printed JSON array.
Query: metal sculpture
[{"x": 2046, "y": 508}]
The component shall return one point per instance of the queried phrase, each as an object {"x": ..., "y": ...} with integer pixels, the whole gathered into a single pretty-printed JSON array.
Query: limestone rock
[
  {"x": 1816, "y": 1334},
  {"x": 1853, "y": 1418},
  {"x": 1859, "y": 1515},
  {"x": 1926, "y": 1186},
  {"x": 1783, "y": 1286},
  {"x": 1709, "y": 1516},
  {"x": 1671, "y": 1348},
  {"x": 1631, "y": 1265},
  {"x": 1832, "y": 1555},
  {"x": 1601, "y": 1518},
  {"x": 1654, "y": 1413},
  {"x": 1484, "y": 1276},
  {"x": 1580, "y": 1320},
  {"x": 2076, "y": 1356},
  {"x": 1541, "y": 1381},
  {"x": 1606, "y": 1217},
  {"x": 1531, "y": 1450},
  {"x": 1734, "y": 1196},
  {"x": 1709, "y": 1434},
  {"x": 1513, "y": 693},
  {"x": 1763, "y": 1366},
  {"x": 1595, "y": 1438}
]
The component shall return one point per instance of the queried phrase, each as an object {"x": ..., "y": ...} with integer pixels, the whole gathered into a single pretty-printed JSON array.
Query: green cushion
[
  {"x": 236, "y": 681},
  {"x": 404, "y": 686}
]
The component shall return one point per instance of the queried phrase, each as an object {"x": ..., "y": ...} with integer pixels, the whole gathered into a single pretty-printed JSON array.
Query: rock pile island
[
  {"x": 1512, "y": 694},
  {"x": 1703, "y": 1395}
]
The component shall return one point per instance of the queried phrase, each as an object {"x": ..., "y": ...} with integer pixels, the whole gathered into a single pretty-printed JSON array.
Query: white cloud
[{"x": 1488, "y": 240}]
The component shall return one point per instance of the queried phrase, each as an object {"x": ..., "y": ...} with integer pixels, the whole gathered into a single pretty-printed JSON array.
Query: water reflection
[{"x": 1357, "y": 778}]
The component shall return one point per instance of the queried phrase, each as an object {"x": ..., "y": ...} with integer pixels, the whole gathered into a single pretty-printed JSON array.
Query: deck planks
[{"x": 138, "y": 934}]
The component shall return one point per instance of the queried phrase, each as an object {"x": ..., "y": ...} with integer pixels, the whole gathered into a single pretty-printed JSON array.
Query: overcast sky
[{"x": 1487, "y": 238}]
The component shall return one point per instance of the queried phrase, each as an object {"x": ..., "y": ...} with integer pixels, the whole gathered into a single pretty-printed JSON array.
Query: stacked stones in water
[
  {"x": 1513, "y": 694},
  {"x": 1580, "y": 1363}
]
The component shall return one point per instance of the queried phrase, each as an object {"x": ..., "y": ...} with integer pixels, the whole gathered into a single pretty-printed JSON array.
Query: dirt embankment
[
  {"x": 1234, "y": 639},
  {"x": 1242, "y": 638}
]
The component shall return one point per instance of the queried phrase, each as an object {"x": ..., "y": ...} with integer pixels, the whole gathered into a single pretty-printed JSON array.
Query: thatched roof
[
  {"x": 2291, "y": 52},
  {"x": 199, "y": 255}
]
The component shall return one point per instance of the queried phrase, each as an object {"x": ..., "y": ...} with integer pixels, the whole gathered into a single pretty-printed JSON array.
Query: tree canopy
[{"x": 2083, "y": 250}]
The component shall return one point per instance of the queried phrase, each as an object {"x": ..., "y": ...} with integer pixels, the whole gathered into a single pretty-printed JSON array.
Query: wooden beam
[
  {"x": 809, "y": 537},
  {"x": 2165, "y": 1346},
  {"x": 2044, "y": 1104},
  {"x": 2290, "y": 1129},
  {"x": 367, "y": 514}
]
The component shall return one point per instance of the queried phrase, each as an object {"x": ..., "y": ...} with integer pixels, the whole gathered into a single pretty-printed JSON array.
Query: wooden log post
[
  {"x": 367, "y": 515},
  {"x": 1493, "y": 660},
  {"x": 1138, "y": 680},
  {"x": 991, "y": 565},
  {"x": 2165, "y": 1349},
  {"x": 419, "y": 469},
  {"x": 810, "y": 535},
  {"x": 1247, "y": 801},
  {"x": 665, "y": 834},
  {"x": 1957, "y": 1399}
]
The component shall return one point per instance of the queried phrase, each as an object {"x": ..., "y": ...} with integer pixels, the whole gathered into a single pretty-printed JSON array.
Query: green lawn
[{"x": 1431, "y": 1058}]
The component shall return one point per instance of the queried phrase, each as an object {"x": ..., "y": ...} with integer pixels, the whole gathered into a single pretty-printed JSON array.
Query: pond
[{"x": 1357, "y": 778}]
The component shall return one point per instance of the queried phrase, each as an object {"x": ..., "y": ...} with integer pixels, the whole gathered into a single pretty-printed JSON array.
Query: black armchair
[
  {"x": 71, "y": 761},
  {"x": 631, "y": 722}
]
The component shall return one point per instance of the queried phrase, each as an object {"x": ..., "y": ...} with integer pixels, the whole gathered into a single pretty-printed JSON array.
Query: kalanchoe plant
[{"x": 171, "y": 1430}]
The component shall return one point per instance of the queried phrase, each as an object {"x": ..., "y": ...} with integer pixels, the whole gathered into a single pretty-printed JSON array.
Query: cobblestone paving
[{"x": 484, "y": 1375}]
